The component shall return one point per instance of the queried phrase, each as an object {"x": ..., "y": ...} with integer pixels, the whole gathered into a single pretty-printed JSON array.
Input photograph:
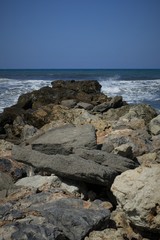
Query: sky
[{"x": 79, "y": 34}]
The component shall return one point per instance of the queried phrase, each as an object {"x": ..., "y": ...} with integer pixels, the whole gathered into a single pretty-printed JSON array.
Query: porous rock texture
[{"x": 137, "y": 193}]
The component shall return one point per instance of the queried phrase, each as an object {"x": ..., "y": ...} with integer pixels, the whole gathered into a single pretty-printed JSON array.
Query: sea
[{"x": 134, "y": 85}]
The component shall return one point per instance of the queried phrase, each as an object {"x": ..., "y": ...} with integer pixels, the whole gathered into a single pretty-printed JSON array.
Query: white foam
[
  {"x": 132, "y": 91},
  {"x": 11, "y": 89}
]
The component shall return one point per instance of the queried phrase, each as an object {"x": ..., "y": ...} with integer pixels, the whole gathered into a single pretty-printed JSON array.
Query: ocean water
[{"x": 135, "y": 86}]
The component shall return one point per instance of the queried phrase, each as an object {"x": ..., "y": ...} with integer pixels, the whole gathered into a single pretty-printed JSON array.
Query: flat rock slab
[
  {"x": 63, "y": 139},
  {"x": 71, "y": 166},
  {"x": 98, "y": 168}
]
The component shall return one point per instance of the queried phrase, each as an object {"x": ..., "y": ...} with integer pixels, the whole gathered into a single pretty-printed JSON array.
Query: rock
[
  {"x": 154, "y": 125},
  {"x": 28, "y": 131},
  {"x": 114, "y": 161},
  {"x": 27, "y": 214},
  {"x": 141, "y": 111},
  {"x": 62, "y": 140},
  {"x": 117, "y": 102},
  {"x": 147, "y": 159},
  {"x": 130, "y": 113},
  {"x": 136, "y": 193},
  {"x": 84, "y": 105},
  {"x": 97, "y": 169},
  {"x": 103, "y": 107},
  {"x": 15, "y": 169},
  {"x": 71, "y": 166},
  {"x": 156, "y": 142},
  {"x": 38, "y": 181},
  {"x": 124, "y": 150},
  {"x": 5, "y": 148},
  {"x": 6, "y": 182},
  {"x": 87, "y": 86},
  {"x": 72, "y": 218},
  {"x": 138, "y": 140},
  {"x": 36, "y": 230},
  {"x": 70, "y": 103}
]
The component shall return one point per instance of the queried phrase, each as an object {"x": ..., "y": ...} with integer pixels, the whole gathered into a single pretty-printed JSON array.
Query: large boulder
[
  {"x": 96, "y": 168},
  {"x": 137, "y": 194},
  {"x": 71, "y": 166}
]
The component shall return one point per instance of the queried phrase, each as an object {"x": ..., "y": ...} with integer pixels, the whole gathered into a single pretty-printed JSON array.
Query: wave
[
  {"x": 132, "y": 91},
  {"x": 11, "y": 89}
]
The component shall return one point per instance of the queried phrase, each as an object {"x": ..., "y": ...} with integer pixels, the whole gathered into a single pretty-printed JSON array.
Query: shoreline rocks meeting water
[{"x": 76, "y": 164}]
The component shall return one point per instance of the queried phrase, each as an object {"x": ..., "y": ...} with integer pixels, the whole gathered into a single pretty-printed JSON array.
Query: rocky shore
[{"x": 76, "y": 164}]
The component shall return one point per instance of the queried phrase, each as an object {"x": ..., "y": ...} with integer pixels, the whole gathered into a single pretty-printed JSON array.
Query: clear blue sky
[{"x": 79, "y": 34}]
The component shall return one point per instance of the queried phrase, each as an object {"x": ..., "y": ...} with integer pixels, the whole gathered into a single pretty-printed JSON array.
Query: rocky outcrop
[
  {"x": 136, "y": 192},
  {"x": 32, "y": 108},
  {"x": 72, "y": 143}
]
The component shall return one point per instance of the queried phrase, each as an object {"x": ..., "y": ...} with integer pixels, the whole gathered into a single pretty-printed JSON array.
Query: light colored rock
[
  {"x": 68, "y": 136},
  {"x": 147, "y": 158},
  {"x": 154, "y": 125},
  {"x": 84, "y": 105},
  {"x": 5, "y": 148},
  {"x": 28, "y": 131},
  {"x": 138, "y": 140},
  {"x": 137, "y": 192},
  {"x": 69, "y": 103},
  {"x": 38, "y": 181},
  {"x": 69, "y": 187},
  {"x": 124, "y": 150}
]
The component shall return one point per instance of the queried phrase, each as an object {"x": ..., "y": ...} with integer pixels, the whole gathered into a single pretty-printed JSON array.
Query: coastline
[{"x": 78, "y": 150}]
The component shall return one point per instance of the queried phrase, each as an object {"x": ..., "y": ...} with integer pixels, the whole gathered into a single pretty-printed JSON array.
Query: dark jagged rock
[
  {"x": 87, "y": 86},
  {"x": 49, "y": 215},
  {"x": 14, "y": 169},
  {"x": 27, "y": 105}
]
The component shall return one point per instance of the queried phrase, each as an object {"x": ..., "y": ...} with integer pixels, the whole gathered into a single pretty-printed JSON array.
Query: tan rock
[
  {"x": 154, "y": 125},
  {"x": 137, "y": 192}
]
